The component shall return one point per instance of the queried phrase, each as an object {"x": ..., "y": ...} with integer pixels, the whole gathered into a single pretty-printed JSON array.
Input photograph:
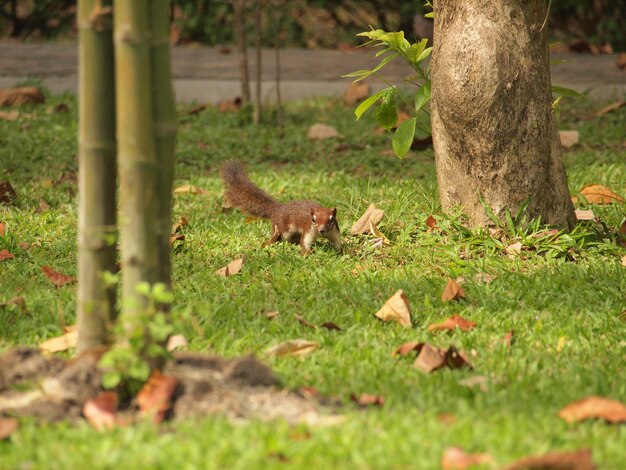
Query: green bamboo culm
[
  {"x": 139, "y": 223},
  {"x": 97, "y": 174},
  {"x": 164, "y": 112}
]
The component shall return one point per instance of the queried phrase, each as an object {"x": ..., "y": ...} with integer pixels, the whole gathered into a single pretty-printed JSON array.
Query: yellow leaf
[
  {"x": 294, "y": 347},
  {"x": 396, "y": 309}
]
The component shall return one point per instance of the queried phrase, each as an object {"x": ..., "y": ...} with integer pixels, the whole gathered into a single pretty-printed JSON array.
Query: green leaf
[
  {"x": 559, "y": 90},
  {"x": 386, "y": 114},
  {"x": 425, "y": 53},
  {"x": 367, "y": 103},
  {"x": 422, "y": 96},
  {"x": 430, "y": 15},
  {"x": 422, "y": 124},
  {"x": 403, "y": 138},
  {"x": 111, "y": 379},
  {"x": 415, "y": 50}
]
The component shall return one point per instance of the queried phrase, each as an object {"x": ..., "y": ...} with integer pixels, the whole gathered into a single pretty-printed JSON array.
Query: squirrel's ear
[{"x": 334, "y": 212}]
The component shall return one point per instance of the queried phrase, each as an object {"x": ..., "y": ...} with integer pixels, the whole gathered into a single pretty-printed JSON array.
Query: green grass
[{"x": 562, "y": 297}]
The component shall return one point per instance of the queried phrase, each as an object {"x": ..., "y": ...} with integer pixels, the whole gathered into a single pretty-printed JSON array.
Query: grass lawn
[{"x": 561, "y": 295}]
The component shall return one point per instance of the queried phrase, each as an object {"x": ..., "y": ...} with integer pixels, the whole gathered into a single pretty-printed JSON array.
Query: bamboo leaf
[{"x": 403, "y": 138}]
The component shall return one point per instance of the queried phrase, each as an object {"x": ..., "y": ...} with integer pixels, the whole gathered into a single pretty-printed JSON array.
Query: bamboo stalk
[
  {"x": 138, "y": 166},
  {"x": 164, "y": 112},
  {"x": 96, "y": 173}
]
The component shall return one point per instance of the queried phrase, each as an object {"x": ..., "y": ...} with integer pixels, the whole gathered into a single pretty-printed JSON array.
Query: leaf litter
[{"x": 396, "y": 309}]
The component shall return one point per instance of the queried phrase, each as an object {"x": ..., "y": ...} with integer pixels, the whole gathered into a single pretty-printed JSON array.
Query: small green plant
[
  {"x": 414, "y": 54},
  {"x": 129, "y": 362}
]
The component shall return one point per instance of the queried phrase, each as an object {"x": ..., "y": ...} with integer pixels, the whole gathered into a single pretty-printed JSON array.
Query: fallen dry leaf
[
  {"x": 610, "y": 107},
  {"x": 396, "y": 309},
  {"x": 60, "y": 343},
  {"x": 452, "y": 291},
  {"x": 100, "y": 411},
  {"x": 10, "y": 116},
  {"x": 594, "y": 407},
  {"x": 624, "y": 260},
  {"x": 431, "y": 223},
  {"x": 356, "y": 92},
  {"x": 7, "y": 193},
  {"x": 4, "y": 254},
  {"x": 20, "y": 96},
  {"x": 17, "y": 301},
  {"x": 569, "y": 138},
  {"x": 304, "y": 321},
  {"x": 2, "y": 229},
  {"x": 294, "y": 347},
  {"x": 432, "y": 358},
  {"x": 446, "y": 418},
  {"x": 598, "y": 194},
  {"x": 329, "y": 325},
  {"x": 7, "y": 427},
  {"x": 189, "y": 188},
  {"x": 322, "y": 131},
  {"x": 197, "y": 109},
  {"x": 232, "y": 268},
  {"x": 176, "y": 342},
  {"x": 271, "y": 314},
  {"x": 155, "y": 398},
  {"x": 620, "y": 61},
  {"x": 480, "y": 382},
  {"x": 57, "y": 278},
  {"x": 366, "y": 399},
  {"x": 229, "y": 106},
  {"x": 372, "y": 214},
  {"x": 514, "y": 249},
  {"x": 374, "y": 230},
  {"x": 585, "y": 214},
  {"x": 452, "y": 323},
  {"x": 507, "y": 339},
  {"x": 455, "y": 458},
  {"x": 181, "y": 222},
  {"x": 576, "y": 460},
  {"x": 407, "y": 348},
  {"x": 176, "y": 237}
]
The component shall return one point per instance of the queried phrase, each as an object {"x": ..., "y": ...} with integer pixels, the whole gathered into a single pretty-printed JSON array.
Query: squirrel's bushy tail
[{"x": 240, "y": 192}]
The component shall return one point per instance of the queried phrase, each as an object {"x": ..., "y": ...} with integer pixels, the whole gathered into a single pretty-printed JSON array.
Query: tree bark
[
  {"x": 494, "y": 132},
  {"x": 97, "y": 173},
  {"x": 240, "y": 34},
  {"x": 138, "y": 166},
  {"x": 164, "y": 129}
]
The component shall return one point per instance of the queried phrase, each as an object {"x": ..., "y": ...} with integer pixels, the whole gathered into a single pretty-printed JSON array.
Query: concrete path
[{"x": 208, "y": 75}]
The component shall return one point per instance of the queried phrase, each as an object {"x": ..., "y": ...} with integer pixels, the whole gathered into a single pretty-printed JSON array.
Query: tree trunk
[
  {"x": 258, "y": 103},
  {"x": 96, "y": 174},
  {"x": 138, "y": 167},
  {"x": 240, "y": 35},
  {"x": 494, "y": 132},
  {"x": 164, "y": 128}
]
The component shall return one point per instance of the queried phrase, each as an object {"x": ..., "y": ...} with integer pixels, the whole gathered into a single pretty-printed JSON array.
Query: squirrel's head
[{"x": 324, "y": 220}]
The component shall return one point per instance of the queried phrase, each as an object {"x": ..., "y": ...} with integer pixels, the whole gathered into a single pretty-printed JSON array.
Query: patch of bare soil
[{"x": 51, "y": 389}]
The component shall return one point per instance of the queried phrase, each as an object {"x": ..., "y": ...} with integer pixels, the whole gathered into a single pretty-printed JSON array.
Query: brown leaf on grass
[
  {"x": 4, "y": 254},
  {"x": 180, "y": 223},
  {"x": 229, "y": 106},
  {"x": 17, "y": 301},
  {"x": 507, "y": 339},
  {"x": 452, "y": 291},
  {"x": 294, "y": 347},
  {"x": 455, "y": 458},
  {"x": 576, "y": 460},
  {"x": 611, "y": 107},
  {"x": 622, "y": 228},
  {"x": 407, "y": 348},
  {"x": 446, "y": 418},
  {"x": 57, "y": 278},
  {"x": 432, "y": 358},
  {"x": 624, "y": 260},
  {"x": 191, "y": 189},
  {"x": 3, "y": 229},
  {"x": 452, "y": 323},
  {"x": 232, "y": 268},
  {"x": 20, "y": 96},
  {"x": 366, "y": 399},
  {"x": 362, "y": 225},
  {"x": 584, "y": 214},
  {"x": 176, "y": 237},
  {"x": 514, "y": 249},
  {"x": 569, "y": 138},
  {"x": 396, "y": 309},
  {"x": 594, "y": 407},
  {"x": 431, "y": 223},
  {"x": 356, "y": 92},
  {"x": 598, "y": 194},
  {"x": 374, "y": 230},
  {"x": 100, "y": 411},
  {"x": 60, "y": 343},
  {"x": 304, "y": 321},
  {"x": 176, "y": 342},
  {"x": 7, "y": 193},
  {"x": 197, "y": 109},
  {"x": 329, "y": 325},
  {"x": 271, "y": 314},
  {"x": 7, "y": 427},
  {"x": 155, "y": 398},
  {"x": 545, "y": 233},
  {"x": 10, "y": 116},
  {"x": 322, "y": 131}
]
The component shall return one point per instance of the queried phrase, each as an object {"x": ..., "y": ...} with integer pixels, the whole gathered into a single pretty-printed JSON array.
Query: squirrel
[{"x": 300, "y": 222}]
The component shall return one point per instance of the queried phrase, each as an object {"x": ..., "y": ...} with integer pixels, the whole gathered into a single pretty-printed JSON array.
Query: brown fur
[{"x": 296, "y": 222}]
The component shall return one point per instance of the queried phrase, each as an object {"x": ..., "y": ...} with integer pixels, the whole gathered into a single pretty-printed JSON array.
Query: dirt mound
[{"x": 51, "y": 389}]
